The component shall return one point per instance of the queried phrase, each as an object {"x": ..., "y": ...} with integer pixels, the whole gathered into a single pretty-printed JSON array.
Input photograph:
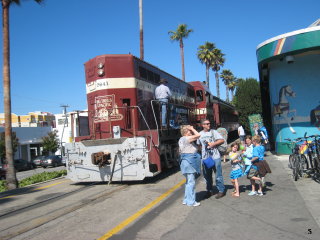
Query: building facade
[{"x": 289, "y": 79}]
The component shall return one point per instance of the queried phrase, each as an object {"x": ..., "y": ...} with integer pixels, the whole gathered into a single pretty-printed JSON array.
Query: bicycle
[
  {"x": 314, "y": 152},
  {"x": 297, "y": 161}
]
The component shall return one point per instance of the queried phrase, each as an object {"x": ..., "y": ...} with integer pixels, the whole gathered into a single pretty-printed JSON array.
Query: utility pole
[
  {"x": 141, "y": 30},
  {"x": 64, "y": 125}
]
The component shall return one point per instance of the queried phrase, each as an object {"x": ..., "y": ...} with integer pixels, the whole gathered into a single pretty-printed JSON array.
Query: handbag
[
  {"x": 208, "y": 162},
  {"x": 253, "y": 171}
]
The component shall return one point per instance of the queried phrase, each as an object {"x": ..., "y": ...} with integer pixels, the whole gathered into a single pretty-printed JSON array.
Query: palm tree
[
  {"x": 205, "y": 55},
  {"x": 141, "y": 31},
  {"x": 11, "y": 174},
  {"x": 217, "y": 63},
  {"x": 227, "y": 78},
  {"x": 232, "y": 86},
  {"x": 178, "y": 35}
]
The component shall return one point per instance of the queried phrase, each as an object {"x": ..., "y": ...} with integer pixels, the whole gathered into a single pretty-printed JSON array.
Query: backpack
[{"x": 221, "y": 148}]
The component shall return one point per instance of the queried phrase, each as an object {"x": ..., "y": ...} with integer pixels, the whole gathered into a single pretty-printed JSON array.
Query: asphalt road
[
  {"x": 64, "y": 210},
  {"x": 29, "y": 173}
]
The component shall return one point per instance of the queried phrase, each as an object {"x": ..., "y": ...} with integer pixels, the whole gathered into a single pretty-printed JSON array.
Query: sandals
[{"x": 234, "y": 195}]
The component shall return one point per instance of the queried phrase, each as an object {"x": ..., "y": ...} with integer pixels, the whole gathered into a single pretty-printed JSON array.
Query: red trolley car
[{"x": 126, "y": 139}]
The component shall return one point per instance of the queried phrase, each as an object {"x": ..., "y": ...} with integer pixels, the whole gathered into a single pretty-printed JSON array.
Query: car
[
  {"x": 53, "y": 160},
  {"x": 22, "y": 165},
  {"x": 38, "y": 160}
]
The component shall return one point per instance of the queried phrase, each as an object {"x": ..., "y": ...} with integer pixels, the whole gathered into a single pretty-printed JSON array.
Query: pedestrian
[
  {"x": 189, "y": 163},
  {"x": 162, "y": 94},
  {"x": 210, "y": 139},
  {"x": 224, "y": 133},
  {"x": 261, "y": 166},
  {"x": 236, "y": 168},
  {"x": 241, "y": 134},
  {"x": 247, "y": 154}
]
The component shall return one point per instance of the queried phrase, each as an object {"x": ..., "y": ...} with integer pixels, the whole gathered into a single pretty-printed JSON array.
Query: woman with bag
[{"x": 189, "y": 163}]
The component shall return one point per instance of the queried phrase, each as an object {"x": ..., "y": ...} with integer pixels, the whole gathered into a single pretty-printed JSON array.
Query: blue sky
[{"x": 51, "y": 42}]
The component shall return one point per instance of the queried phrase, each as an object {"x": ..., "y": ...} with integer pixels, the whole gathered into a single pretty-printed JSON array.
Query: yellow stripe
[
  {"x": 10, "y": 196},
  {"x": 50, "y": 185},
  {"x": 140, "y": 212}
]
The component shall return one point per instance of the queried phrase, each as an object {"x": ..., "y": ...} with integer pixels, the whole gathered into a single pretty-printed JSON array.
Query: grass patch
[{"x": 37, "y": 178}]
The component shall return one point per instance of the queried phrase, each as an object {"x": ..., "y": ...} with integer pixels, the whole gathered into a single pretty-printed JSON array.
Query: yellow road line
[
  {"x": 140, "y": 212},
  {"x": 50, "y": 185},
  {"x": 10, "y": 196}
]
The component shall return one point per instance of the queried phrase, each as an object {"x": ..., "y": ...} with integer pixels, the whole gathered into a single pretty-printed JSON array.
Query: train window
[
  {"x": 150, "y": 76},
  {"x": 143, "y": 73},
  {"x": 156, "y": 78},
  {"x": 190, "y": 92},
  {"x": 199, "y": 95}
]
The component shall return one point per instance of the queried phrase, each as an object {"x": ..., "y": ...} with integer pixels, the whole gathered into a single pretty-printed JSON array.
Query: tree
[
  {"x": 247, "y": 100},
  {"x": 11, "y": 174},
  {"x": 50, "y": 142},
  {"x": 218, "y": 62},
  {"x": 178, "y": 35},
  {"x": 227, "y": 77},
  {"x": 205, "y": 56},
  {"x": 141, "y": 30},
  {"x": 15, "y": 142},
  {"x": 232, "y": 86}
]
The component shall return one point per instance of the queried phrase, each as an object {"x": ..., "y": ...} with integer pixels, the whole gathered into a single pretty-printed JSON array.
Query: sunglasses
[{"x": 206, "y": 124}]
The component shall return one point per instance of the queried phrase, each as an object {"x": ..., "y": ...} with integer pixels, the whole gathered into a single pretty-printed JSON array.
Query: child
[
  {"x": 247, "y": 154},
  {"x": 236, "y": 171},
  {"x": 259, "y": 162}
]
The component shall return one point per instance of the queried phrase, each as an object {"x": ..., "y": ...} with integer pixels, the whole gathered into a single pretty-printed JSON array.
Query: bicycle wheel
[
  {"x": 302, "y": 165},
  {"x": 290, "y": 164},
  {"x": 295, "y": 167}
]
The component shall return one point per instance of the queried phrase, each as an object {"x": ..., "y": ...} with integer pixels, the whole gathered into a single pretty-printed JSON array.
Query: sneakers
[
  {"x": 184, "y": 203},
  {"x": 260, "y": 193},
  {"x": 196, "y": 204},
  {"x": 220, "y": 195},
  {"x": 252, "y": 193}
]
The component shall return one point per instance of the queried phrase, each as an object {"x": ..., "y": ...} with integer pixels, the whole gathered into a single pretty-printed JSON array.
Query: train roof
[{"x": 137, "y": 59}]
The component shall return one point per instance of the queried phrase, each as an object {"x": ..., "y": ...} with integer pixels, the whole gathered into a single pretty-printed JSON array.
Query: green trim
[
  {"x": 283, "y": 148},
  {"x": 293, "y": 43}
]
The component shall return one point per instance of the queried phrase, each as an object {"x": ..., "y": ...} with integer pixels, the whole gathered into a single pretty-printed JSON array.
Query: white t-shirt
[
  {"x": 241, "y": 131},
  {"x": 162, "y": 91},
  {"x": 207, "y": 136}
]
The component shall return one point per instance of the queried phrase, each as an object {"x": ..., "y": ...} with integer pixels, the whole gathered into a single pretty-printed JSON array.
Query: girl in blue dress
[{"x": 236, "y": 171}]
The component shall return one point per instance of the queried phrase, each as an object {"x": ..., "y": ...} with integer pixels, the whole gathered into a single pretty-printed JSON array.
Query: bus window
[{"x": 199, "y": 95}]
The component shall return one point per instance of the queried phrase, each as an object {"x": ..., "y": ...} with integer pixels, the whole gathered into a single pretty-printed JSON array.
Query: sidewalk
[{"x": 288, "y": 210}]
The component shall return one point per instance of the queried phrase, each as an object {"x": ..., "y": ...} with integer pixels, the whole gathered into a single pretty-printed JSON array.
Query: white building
[{"x": 67, "y": 126}]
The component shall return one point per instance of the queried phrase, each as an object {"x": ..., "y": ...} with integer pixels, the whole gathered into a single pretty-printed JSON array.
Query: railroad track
[{"x": 23, "y": 226}]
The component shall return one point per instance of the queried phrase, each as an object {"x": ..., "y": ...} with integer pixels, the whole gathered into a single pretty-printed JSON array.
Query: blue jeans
[
  {"x": 207, "y": 173},
  {"x": 190, "y": 189},
  {"x": 164, "y": 103}
]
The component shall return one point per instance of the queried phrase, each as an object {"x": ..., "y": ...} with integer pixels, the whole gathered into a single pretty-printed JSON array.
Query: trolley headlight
[
  {"x": 100, "y": 65},
  {"x": 100, "y": 72}
]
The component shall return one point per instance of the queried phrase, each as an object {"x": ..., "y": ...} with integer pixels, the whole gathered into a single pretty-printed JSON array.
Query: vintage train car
[
  {"x": 219, "y": 112},
  {"x": 126, "y": 140}
]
